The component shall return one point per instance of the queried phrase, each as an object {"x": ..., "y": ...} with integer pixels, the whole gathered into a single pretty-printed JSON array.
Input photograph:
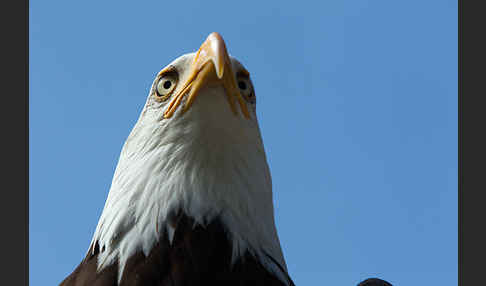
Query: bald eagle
[{"x": 191, "y": 198}]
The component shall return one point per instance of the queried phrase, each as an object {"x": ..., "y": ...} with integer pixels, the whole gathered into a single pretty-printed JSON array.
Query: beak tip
[
  {"x": 217, "y": 47},
  {"x": 220, "y": 72},
  {"x": 216, "y": 35}
]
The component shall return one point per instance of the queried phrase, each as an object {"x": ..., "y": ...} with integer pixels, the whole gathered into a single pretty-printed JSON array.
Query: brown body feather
[{"x": 198, "y": 255}]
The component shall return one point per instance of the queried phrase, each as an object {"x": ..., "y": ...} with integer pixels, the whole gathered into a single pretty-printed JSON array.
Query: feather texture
[{"x": 198, "y": 255}]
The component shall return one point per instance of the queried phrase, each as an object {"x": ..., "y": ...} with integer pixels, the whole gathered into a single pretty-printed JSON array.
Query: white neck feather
[{"x": 212, "y": 166}]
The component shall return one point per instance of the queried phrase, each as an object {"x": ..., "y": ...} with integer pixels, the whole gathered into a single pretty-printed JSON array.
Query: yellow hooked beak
[{"x": 211, "y": 65}]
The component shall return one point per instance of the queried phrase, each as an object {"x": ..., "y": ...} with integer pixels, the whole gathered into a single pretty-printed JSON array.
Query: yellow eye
[{"x": 165, "y": 86}]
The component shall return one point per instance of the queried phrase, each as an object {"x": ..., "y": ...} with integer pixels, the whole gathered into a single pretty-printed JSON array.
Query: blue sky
[{"x": 357, "y": 103}]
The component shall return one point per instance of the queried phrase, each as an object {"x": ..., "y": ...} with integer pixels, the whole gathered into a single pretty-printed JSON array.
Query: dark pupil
[
  {"x": 242, "y": 85},
  {"x": 167, "y": 84}
]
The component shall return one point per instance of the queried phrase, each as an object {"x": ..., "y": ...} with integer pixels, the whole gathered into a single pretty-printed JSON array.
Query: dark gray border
[
  {"x": 472, "y": 143},
  {"x": 14, "y": 210}
]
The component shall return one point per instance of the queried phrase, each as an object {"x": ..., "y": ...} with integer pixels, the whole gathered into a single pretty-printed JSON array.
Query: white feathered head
[{"x": 196, "y": 148}]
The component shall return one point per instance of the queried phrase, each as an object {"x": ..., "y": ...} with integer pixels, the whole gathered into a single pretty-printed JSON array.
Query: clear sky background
[{"x": 357, "y": 103}]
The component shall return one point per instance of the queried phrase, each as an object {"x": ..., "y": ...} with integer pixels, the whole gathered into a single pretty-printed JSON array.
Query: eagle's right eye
[{"x": 166, "y": 85}]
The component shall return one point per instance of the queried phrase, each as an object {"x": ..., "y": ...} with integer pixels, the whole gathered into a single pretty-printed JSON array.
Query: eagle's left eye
[
  {"x": 165, "y": 86},
  {"x": 246, "y": 89}
]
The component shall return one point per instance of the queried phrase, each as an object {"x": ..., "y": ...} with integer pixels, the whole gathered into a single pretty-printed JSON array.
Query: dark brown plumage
[
  {"x": 199, "y": 255},
  {"x": 374, "y": 282}
]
